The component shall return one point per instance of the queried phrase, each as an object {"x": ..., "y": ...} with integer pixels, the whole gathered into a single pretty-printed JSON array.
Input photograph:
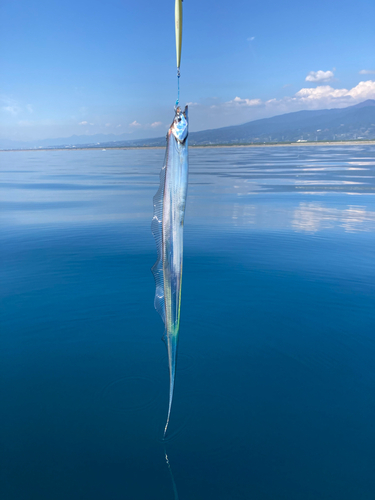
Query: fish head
[{"x": 180, "y": 126}]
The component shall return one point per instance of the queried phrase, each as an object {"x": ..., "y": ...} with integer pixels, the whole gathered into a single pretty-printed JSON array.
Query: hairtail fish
[{"x": 167, "y": 228}]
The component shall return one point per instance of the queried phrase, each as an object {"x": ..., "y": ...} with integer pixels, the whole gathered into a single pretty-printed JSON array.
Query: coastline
[{"x": 203, "y": 146}]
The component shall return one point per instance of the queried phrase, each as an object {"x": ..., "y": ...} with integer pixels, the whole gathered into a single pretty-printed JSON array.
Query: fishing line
[{"x": 178, "y": 33}]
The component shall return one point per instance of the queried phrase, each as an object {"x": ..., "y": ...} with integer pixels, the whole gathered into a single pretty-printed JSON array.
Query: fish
[{"x": 167, "y": 228}]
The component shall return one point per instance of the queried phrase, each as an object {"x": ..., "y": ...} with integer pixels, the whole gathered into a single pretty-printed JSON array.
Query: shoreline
[{"x": 203, "y": 146}]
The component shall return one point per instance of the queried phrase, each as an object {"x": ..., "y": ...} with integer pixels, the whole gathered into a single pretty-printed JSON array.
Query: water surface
[{"x": 275, "y": 388}]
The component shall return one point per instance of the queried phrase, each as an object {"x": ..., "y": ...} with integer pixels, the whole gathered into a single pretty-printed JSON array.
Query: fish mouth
[{"x": 180, "y": 124}]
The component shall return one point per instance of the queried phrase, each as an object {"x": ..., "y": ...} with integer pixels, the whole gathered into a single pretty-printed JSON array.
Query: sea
[{"x": 275, "y": 384}]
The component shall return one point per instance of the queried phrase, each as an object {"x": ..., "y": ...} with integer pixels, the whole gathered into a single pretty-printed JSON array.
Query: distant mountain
[
  {"x": 84, "y": 139},
  {"x": 351, "y": 123},
  {"x": 338, "y": 124},
  {"x": 74, "y": 140}
]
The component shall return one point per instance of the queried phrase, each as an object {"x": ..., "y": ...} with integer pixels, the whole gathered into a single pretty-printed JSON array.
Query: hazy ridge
[{"x": 339, "y": 124}]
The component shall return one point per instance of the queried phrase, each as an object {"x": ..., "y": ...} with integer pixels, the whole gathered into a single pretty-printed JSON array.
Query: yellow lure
[{"x": 178, "y": 26}]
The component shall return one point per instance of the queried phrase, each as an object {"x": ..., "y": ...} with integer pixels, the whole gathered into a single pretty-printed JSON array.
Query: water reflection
[
  {"x": 313, "y": 217},
  {"x": 174, "y": 486},
  {"x": 228, "y": 187},
  {"x": 277, "y": 344}
]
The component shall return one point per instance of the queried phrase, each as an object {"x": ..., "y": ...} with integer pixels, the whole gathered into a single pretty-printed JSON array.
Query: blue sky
[{"x": 109, "y": 67}]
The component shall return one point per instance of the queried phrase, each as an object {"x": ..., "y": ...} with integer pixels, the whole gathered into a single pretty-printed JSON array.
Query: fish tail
[
  {"x": 171, "y": 343},
  {"x": 171, "y": 387}
]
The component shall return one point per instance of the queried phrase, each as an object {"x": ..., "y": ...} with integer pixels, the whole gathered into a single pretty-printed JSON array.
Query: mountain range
[
  {"x": 339, "y": 124},
  {"x": 73, "y": 140},
  {"x": 354, "y": 122}
]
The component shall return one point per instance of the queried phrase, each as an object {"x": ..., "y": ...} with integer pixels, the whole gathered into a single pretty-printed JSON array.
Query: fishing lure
[{"x": 167, "y": 228}]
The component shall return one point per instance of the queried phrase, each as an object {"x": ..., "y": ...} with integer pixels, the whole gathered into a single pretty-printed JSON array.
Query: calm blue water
[{"x": 275, "y": 390}]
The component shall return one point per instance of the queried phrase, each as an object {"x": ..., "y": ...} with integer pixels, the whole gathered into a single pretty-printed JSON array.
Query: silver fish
[{"x": 167, "y": 228}]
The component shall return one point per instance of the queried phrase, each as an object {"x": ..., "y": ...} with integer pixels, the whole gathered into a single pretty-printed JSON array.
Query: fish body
[{"x": 167, "y": 228}]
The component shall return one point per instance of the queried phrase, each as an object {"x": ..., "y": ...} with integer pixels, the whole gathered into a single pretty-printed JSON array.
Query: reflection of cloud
[
  {"x": 313, "y": 217},
  {"x": 243, "y": 214},
  {"x": 360, "y": 163},
  {"x": 319, "y": 76}
]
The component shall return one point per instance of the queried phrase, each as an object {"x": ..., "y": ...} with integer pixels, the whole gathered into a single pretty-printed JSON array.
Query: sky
[{"x": 84, "y": 68}]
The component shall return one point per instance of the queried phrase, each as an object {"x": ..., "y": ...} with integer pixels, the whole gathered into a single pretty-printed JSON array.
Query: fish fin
[{"x": 157, "y": 231}]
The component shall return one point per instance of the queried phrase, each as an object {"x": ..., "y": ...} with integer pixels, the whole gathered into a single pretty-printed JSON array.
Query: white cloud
[
  {"x": 156, "y": 124},
  {"x": 192, "y": 104},
  {"x": 119, "y": 125},
  {"x": 107, "y": 124},
  {"x": 319, "y": 76},
  {"x": 237, "y": 101},
  {"x": 13, "y": 110},
  {"x": 367, "y": 72},
  {"x": 135, "y": 124},
  {"x": 30, "y": 108},
  {"x": 320, "y": 97},
  {"x": 10, "y": 105},
  {"x": 82, "y": 123},
  {"x": 25, "y": 123},
  {"x": 251, "y": 38},
  {"x": 363, "y": 91},
  {"x": 320, "y": 92}
]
